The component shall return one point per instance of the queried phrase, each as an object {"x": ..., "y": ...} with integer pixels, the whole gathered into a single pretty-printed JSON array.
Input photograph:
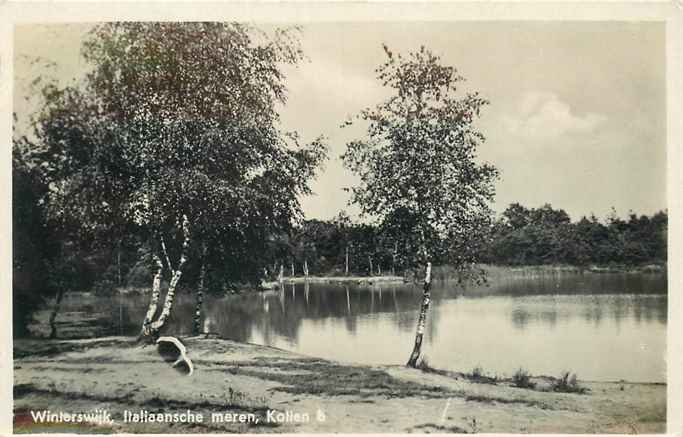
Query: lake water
[{"x": 599, "y": 326}]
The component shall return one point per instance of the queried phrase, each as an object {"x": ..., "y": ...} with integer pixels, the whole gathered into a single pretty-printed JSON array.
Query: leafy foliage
[
  {"x": 173, "y": 120},
  {"x": 522, "y": 236},
  {"x": 528, "y": 236},
  {"x": 522, "y": 379},
  {"x": 31, "y": 248},
  {"x": 568, "y": 383},
  {"x": 418, "y": 168}
]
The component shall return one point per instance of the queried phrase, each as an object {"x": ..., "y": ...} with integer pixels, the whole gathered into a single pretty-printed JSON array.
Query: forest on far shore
[{"x": 520, "y": 236}]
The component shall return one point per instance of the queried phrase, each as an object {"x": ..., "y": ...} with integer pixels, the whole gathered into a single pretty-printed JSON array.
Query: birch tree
[
  {"x": 174, "y": 131},
  {"x": 420, "y": 156}
]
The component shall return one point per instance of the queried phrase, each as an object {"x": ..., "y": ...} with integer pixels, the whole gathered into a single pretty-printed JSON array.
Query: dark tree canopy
[
  {"x": 546, "y": 235},
  {"x": 174, "y": 120}
]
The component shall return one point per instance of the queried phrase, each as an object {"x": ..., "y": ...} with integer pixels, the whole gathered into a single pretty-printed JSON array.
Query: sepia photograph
[{"x": 243, "y": 226}]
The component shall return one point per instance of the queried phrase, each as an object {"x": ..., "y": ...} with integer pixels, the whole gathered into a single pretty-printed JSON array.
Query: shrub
[
  {"x": 568, "y": 383},
  {"x": 477, "y": 373},
  {"x": 522, "y": 379}
]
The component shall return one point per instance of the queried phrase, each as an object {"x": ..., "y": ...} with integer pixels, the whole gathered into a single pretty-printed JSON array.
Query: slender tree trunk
[
  {"x": 347, "y": 260},
  {"x": 292, "y": 269},
  {"x": 379, "y": 269},
  {"x": 306, "y": 268},
  {"x": 200, "y": 294},
  {"x": 426, "y": 298},
  {"x": 55, "y": 311},
  {"x": 371, "y": 269},
  {"x": 170, "y": 294},
  {"x": 118, "y": 264},
  {"x": 281, "y": 276},
  {"x": 393, "y": 259},
  {"x": 154, "y": 300}
]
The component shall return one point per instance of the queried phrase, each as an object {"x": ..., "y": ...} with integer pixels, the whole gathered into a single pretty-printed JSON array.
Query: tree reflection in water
[{"x": 368, "y": 318}]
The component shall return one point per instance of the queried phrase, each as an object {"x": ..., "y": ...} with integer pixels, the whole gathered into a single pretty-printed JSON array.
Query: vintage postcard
[{"x": 342, "y": 218}]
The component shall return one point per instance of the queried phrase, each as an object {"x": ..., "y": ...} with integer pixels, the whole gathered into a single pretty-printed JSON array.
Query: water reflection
[
  {"x": 352, "y": 303},
  {"x": 596, "y": 324},
  {"x": 548, "y": 310}
]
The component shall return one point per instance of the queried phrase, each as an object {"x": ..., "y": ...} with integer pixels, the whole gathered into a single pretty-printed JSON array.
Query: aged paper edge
[{"x": 671, "y": 12}]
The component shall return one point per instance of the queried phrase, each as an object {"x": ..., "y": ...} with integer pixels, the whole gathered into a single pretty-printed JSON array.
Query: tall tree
[
  {"x": 420, "y": 156},
  {"x": 175, "y": 132},
  {"x": 343, "y": 223},
  {"x": 33, "y": 249}
]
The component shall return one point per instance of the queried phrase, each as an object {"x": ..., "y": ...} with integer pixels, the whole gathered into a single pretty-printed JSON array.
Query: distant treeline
[
  {"x": 521, "y": 236},
  {"x": 524, "y": 236}
]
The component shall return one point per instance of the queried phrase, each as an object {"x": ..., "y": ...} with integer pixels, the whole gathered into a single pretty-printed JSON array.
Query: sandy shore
[{"x": 279, "y": 391}]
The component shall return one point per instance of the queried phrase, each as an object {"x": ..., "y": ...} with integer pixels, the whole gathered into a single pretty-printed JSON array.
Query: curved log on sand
[{"x": 173, "y": 351}]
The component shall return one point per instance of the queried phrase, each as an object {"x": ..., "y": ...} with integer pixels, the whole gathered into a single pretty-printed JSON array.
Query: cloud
[{"x": 545, "y": 116}]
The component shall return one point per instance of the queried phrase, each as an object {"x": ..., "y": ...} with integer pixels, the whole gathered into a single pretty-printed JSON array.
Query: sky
[{"x": 577, "y": 114}]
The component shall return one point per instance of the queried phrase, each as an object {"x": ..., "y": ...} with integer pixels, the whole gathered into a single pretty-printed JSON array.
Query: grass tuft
[
  {"x": 478, "y": 375},
  {"x": 477, "y": 372},
  {"x": 568, "y": 383},
  {"x": 522, "y": 379}
]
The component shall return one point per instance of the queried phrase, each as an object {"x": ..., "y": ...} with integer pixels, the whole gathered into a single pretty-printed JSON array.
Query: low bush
[
  {"x": 568, "y": 383},
  {"x": 477, "y": 373},
  {"x": 522, "y": 379}
]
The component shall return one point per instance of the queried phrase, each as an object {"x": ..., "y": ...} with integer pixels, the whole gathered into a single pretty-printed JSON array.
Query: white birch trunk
[
  {"x": 422, "y": 319},
  {"x": 154, "y": 300},
  {"x": 347, "y": 260},
  {"x": 393, "y": 259},
  {"x": 170, "y": 295}
]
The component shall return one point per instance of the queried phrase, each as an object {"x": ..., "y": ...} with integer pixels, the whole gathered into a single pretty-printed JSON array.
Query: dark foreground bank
[{"x": 240, "y": 387}]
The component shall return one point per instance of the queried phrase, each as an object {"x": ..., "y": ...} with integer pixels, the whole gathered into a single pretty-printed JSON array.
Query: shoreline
[
  {"x": 491, "y": 270},
  {"x": 116, "y": 375},
  {"x": 439, "y": 273},
  {"x": 269, "y": 285}
]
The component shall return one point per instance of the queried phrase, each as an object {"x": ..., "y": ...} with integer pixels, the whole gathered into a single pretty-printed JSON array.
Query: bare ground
[{"x": 115, "y": 374}]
